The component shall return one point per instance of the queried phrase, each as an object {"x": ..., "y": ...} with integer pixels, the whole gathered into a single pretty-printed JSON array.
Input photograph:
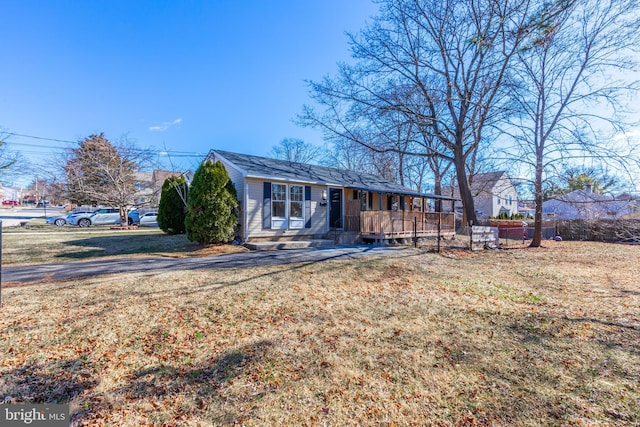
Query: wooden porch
[
  {"x": 407, "y": 220},
  {"x": 385, "y": 225}
]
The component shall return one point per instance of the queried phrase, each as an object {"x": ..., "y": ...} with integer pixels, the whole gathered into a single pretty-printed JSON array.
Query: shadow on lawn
[
  {"x": 129, "y": 244},
  {"x": 546, "y": 366},
  {"x": 290, "y": 260},
  {"x": 58, "y": 381},
  {"x": 610, "y": 356},
  {"x": 203, "y": 385},
  {"x": 198, "y": 387}
]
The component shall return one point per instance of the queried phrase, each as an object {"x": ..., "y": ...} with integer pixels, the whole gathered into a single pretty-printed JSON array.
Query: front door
[{"x": 335, "y": 208}]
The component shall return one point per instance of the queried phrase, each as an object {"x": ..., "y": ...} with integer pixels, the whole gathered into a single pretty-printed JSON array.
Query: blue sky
[{"x": 188, "y": 75}]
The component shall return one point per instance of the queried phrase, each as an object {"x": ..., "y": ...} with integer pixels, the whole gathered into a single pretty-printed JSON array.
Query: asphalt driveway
[{"x": 45, "y": 273}]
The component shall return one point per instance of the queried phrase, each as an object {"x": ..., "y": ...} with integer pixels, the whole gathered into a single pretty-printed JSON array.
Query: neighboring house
[
  {"x": 493, "y": 194},
  {"x": 526, "y": 208},
  {"x": 587, "y": 205},
  {"x": 148, "y": 186},
  {"x": 285, "y": 200},
  {"x": 10, "y": 193}
]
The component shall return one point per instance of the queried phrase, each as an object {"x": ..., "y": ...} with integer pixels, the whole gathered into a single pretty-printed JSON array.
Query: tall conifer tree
[
  {"x": 212, "y": 205},
  {"x": 172, "y": 209}
]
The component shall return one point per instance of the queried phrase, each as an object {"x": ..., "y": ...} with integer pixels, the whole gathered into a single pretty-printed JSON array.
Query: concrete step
[{"x": 293, "y": 244}]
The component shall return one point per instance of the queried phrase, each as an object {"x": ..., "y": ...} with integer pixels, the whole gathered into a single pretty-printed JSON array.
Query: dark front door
[{"x": 335, "y": 208}]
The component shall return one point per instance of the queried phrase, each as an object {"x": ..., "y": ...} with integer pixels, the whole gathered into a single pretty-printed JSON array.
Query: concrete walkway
[{"x": 45, "y": 273}]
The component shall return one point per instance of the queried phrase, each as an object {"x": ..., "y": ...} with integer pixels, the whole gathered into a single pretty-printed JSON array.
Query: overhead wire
[{"x": 172, "y": 153}]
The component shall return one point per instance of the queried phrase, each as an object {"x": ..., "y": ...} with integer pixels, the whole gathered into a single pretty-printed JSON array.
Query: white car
[
  {"x": 64, "y": 219},
  {"x": 150, "y": 219},
  {"x": 97, "y": 217}
]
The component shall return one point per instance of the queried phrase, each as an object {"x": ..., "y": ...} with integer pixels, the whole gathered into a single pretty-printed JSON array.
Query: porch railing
[{"x": 390, "y": 224}]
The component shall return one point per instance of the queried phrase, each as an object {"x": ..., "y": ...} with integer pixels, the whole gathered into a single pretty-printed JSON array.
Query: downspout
[{"x": 246, "y": 215}]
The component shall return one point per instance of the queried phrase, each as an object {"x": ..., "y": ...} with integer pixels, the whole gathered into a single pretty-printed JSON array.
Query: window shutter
[
  {"x": 266, "y": 205},
  {"x": 307, "y": 206},
  {"x": 401, "y": 203}
]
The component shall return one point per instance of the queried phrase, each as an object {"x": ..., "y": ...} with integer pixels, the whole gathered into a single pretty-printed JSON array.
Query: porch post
[
  {"x": 381, "y": 216},
  {"x": 439, "y": 228}
]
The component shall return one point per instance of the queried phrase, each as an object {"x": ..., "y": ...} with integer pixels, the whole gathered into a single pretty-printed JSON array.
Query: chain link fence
[
  {"x": 614, "y": 231},
  {"x": 513, "y": 237}
]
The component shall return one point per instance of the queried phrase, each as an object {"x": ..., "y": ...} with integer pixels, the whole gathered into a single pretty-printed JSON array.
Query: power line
[
  {"x": 41, "y": 138},
  {"x": 172, "y": 153},
  {"x": 25, "y": 144}
]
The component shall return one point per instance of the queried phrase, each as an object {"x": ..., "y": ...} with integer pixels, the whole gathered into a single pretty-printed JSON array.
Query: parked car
[
  {"x": 57, "y": 220},
  {"x": 10, "y": 202},
  {"x": 98, "y": 217},
  {"x": 150, "y": 219},
  {"x": 133, "y": 217},
  {"x": 62, "y": 220},
  {"x": 74, "y": 217},
  {"x": 42, "y": 204}
]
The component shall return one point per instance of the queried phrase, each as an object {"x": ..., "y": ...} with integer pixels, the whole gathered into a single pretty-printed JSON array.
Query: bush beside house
[
  {"x": 172, "y": 207},
  {"x": 212, "y": 205}
]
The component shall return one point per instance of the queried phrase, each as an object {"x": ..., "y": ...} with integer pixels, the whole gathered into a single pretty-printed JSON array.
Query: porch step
[{"x": 293, "y": 244}]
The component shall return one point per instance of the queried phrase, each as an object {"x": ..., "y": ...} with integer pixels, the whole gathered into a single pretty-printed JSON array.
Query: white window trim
[
  {"x": 295, "y": 222},
  {"x": 273, "y": 192},
  {"x": 287, "y": 221}
]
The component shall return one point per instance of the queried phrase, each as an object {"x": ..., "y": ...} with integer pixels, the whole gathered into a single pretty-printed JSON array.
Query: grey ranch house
[{"x": 282, "y": 200}]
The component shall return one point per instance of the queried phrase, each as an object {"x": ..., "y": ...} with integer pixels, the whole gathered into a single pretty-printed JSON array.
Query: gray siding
[{"x": 254, "y": 212}]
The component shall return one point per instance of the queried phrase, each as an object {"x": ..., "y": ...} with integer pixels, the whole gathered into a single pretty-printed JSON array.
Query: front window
[
  {"x": 287, "y": 206},
  {"x": 279, "y": 201},
  {"x": 296, "y": 201}
]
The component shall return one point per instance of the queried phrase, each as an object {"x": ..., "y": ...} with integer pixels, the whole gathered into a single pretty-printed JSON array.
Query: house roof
[
  {"x": 582, "y": 204},
  {"x": 276, "y": 169},
  {"x": 160, "y": 176},
  {"x": 486, "y": 181}
]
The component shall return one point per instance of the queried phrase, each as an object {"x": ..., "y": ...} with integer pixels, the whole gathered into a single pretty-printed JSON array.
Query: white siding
[
  {"x": 236, "y": 178},
  {"x": 254, "y": 212},
  {"x": 238, "y": 182},
  {"x": 504, "y": 189}
]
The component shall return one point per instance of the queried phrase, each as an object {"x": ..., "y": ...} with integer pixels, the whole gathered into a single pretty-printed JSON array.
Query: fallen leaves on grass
[{"x": 550, "y": 338}]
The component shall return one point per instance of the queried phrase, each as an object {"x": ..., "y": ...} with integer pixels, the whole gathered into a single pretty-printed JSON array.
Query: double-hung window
[
  {"x": 279, "y": 201},
  {"x": 287, "y": 206},
  {"x": 296, "y": 206},
  {"x": 279, "y": 206}
]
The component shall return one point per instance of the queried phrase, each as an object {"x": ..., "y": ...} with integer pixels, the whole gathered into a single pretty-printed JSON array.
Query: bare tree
[
  {"x": 440, "y": 64},
  {"x": 9, "y": 159},
  {"x": 296, "y": 150},
  {"x": 98, "y": 171},
  {"x": 568, "y": 81},
  {"x": 178, "y": 171},
  {"x": 347, "y": 154}
]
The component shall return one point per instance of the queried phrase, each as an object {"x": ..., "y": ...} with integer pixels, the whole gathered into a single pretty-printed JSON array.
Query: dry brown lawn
[
  {"x": 24, "y": 247},
  {"x": 540, "y": 337}
]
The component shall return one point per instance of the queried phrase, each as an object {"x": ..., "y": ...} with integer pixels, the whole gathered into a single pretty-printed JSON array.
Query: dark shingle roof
[{"x": 266, "y": 168}]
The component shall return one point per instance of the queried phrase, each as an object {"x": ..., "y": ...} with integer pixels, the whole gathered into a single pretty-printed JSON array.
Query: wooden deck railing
[{"x": 389, "y": 224}]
